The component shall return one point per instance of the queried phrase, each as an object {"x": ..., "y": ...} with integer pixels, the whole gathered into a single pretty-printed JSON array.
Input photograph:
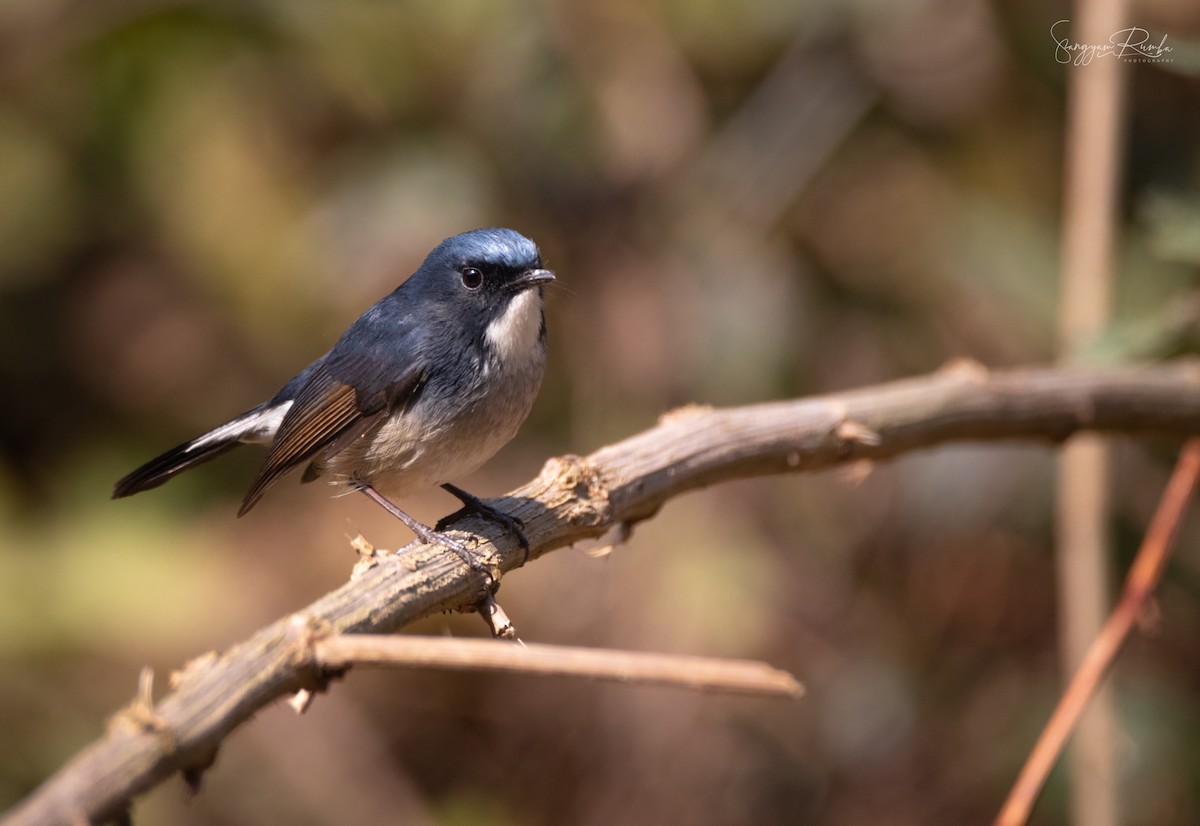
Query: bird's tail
[
  {"x": 253, "y": 426},
  {"x": 161, "y": 468}
]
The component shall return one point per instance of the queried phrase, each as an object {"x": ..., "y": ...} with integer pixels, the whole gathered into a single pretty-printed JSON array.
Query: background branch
[
  {"x": 1143, "y": 578},
  {"x": 577, "y": 498},
  {"x": 1091, "y": 194}
]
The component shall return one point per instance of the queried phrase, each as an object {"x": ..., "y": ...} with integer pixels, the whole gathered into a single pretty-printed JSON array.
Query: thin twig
[
  {"x": 496, "y": 619},
  {"x": 1143, "y": 576},
  {"x": 700, "y": 673}
]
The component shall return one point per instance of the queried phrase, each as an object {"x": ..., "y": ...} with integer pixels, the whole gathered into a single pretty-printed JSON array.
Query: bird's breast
[{"x": 461, "y": 417}]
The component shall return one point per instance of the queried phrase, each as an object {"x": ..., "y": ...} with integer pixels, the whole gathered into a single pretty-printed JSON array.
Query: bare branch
[
  {"x": 700, "y": 673},
  {"x": 577, "y": 498},
  {"x": 1147, "y": 569}
]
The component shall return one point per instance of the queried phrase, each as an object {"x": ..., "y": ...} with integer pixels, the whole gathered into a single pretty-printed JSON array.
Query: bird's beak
[{"x": 532, "y": 278}]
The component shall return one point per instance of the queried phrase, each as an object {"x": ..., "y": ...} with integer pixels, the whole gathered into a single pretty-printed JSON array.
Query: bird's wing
[{"x": 346, "y": 394}]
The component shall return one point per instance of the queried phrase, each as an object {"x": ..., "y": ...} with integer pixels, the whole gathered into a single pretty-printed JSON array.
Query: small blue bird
[{"x": 423, "y": 388}]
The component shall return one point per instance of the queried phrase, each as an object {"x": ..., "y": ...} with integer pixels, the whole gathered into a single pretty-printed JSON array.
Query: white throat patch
[{"x": 514, "y": 334}]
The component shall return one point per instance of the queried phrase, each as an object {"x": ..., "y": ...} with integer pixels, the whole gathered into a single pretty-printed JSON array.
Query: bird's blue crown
[{"x": 501, "y": 247}]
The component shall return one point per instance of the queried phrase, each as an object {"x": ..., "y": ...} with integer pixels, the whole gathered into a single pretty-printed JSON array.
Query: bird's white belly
[
  {"x": 433, "y": 442},
  {"x": 401, "y": 460}
]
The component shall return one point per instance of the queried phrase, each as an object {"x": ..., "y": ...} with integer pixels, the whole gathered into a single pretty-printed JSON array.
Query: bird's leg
[
  {"x": 474, "y": 505},
  {"x": 431, "y": 536}
]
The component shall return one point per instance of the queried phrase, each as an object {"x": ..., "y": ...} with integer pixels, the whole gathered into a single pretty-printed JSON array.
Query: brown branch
[
  {"x": 577, "y": 498},
  {"x": 1143, "y": 577},
  {"x": 702, "y": 673}
]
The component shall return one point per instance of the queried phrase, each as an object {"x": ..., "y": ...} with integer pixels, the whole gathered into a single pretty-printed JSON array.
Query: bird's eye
[{"x": 472, "y": 278}]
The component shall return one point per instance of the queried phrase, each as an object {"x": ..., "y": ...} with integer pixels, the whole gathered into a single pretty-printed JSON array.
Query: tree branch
[
  {"x": 577, "y": 498},
  {"x": 701, "y": 673},
  {"x": 1142, "y": 579}
]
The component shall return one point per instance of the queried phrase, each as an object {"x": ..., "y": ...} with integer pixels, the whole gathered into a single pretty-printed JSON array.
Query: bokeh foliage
[{"x": 744, "y": 201}]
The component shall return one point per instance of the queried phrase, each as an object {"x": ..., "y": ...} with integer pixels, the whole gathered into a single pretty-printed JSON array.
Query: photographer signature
[{"x": 1131, "y": 44}]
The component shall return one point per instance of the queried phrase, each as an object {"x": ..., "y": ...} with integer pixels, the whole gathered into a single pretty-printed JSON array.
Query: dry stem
[
  {"x": 1143, "y": 577},
  {"x": 702, "y": 673}
]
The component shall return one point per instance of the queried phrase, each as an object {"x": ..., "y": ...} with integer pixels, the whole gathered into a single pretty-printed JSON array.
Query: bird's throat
[{"x": 515, "y": 335}]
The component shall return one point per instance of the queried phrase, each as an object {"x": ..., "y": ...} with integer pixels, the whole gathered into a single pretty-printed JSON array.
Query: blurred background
[{"x": 744, "y": 201}]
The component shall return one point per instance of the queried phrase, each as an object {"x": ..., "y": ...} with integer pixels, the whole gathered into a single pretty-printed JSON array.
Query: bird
[{"x": 425, "y": 387}]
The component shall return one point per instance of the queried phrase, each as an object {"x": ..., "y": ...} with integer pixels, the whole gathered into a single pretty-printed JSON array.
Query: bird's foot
[
  {"x": 474, "y": 561},
  {"x": 433, "y": 536},
  {"x": 474, "y": 505}
]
